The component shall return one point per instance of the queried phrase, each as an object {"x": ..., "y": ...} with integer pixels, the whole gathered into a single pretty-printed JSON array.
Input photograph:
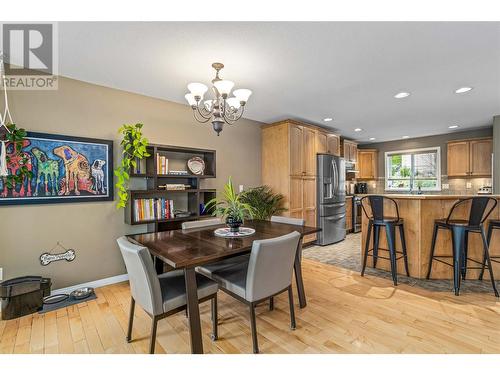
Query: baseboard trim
[{"x": 93, "y": 284}]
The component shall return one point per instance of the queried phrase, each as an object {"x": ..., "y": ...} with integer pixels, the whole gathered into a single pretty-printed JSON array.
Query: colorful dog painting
[{"x": 65, "y": 169}]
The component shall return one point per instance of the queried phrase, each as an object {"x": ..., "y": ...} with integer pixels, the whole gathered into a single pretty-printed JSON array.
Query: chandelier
[{"x": 222, "y": 109}]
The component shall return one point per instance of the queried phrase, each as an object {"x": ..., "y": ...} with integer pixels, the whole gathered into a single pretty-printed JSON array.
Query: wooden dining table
[{"x": 187, "y": 249}]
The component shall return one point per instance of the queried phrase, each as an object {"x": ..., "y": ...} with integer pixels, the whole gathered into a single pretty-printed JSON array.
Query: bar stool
[
  {"x": 375, "y": 222},
  {"x": 460, "y": 230},
  {"x": 494, "y": 224}
]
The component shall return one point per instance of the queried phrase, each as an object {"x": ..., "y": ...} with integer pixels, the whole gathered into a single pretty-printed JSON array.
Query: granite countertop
[{"x": 433, "y": 196}]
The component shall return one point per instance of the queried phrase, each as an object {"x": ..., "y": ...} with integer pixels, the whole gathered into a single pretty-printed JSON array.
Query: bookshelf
[{"x": 150, "y": 204}]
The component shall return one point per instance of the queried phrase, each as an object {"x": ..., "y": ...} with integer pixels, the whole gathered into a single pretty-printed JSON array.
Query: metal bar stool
[
  {"x": 460, "y": 230},
  {"x": 375, "y": 222},
  {"x": 494, "y": 224}
]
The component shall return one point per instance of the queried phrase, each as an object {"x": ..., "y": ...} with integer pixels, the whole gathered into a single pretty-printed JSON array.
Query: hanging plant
[
  {"x": 16, "y": 137},
  {"x": 134, "y": 148}
]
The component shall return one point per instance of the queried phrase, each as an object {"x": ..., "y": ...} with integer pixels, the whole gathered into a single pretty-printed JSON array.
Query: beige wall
[{"x": 87, "y": 110}]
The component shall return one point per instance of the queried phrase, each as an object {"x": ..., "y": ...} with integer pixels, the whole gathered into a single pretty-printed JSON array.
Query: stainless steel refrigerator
[{"x": 331, "y": 199}]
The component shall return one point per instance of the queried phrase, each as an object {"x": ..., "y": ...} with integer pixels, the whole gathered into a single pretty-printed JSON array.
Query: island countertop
[
  {"x": 431, "y": 196},
  {"x": 419, "y": 213}
]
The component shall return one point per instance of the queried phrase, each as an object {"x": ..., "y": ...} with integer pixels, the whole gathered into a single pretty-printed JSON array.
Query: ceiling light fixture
[
  {"x": 405, "y": 136},
  {"x": 221, "y": 110},
  {"x": 401, "y": 95},
  {"x": 372, "y": 139},
  {"x": 358, "y": 130},
  {"x": 327, "y": 119},
  {"x": 452, "y": 126},
  {"x": 462, "y": 90}
]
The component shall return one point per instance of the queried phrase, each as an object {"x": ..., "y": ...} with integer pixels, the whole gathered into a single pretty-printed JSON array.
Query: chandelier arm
[
  {"x": 235, "y": 116},
  {"x": 199, "y": 110},
  {"x": 202, "y": 120}
]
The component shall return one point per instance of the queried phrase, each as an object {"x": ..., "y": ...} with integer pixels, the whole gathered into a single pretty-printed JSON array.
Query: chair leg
[
  {"x": 488, "y": 261},
  {"x": 254, "y": 329},
  {"x": 152, "y": 340},
  {"x": 391, "y": 241},
  {"x": 367, "y": 247},
  {"x": 215, "y": 319},
  {"x": 376, "y": 241},
  {"x": 271, "y": 303},
  {"x": 292, "y": 310},
  {"x": 458, "y": 237},
  {"x": 433, "y": 246},
  {"x": 403, "y": 245},
  {"x": 131, "y": 319},
  {"x": 465, "y": 254},
  {"x": 490, "y": 232}
]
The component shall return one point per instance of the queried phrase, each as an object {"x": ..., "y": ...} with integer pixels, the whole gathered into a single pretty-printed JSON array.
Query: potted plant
[
  {"x": 264, "y": 201},
  {"x": 16, "y": 136},
  {"x": 231, "y": 207},
  {"x": 134, "y": 148}
]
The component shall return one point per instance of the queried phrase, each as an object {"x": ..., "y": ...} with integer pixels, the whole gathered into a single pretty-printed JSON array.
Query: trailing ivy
[
  {"x": 16, "y": 136},
  {"x": 134, "y": 148}
]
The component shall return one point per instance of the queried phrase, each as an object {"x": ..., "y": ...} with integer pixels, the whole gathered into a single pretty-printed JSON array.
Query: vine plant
[
  {"x": 16, "y": 137},
  {"x": 134, "y": 148}
]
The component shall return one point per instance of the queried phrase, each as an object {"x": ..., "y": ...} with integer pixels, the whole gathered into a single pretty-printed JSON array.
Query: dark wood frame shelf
[{"x": 195, "y": 195}]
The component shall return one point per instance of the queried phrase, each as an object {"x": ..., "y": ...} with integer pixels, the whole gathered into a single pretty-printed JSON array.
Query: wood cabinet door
[
  {"x": 296, "y": 150},
  {"x": 321, "y": 143},
  {"x": 348, "y": 214},
  {"x": 367, "y": 165},
  {"x": 480, "y": 157},
  {"x": 458, "y": 158},
  {"x": 333, "y": 144},
  {"x": 309, "y": 152},
  {"x": 353, "y": 152},
  {"x": 309, "y": 190},
  {"x": 296, "y": 199}
]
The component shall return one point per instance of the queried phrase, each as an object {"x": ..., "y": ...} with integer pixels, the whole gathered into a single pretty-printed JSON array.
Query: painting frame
[{"x": 107, "y": 148}]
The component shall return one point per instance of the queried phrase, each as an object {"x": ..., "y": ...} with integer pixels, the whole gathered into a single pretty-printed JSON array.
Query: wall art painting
[{"x": 65, "y": 169}]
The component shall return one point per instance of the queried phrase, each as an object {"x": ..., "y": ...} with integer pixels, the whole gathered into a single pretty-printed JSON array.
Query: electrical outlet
[
  {"x": 446, "y": 186},
  {"x": 241, "y": 188},
  {"x": 468, "y": 185}
]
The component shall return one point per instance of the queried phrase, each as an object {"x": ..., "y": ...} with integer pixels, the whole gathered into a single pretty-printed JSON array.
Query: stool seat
[
  {"x": 387, "y": 220},
  {"x": 458, "y": 222}
]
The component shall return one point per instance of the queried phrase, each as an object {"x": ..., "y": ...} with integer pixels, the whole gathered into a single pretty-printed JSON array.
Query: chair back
[
  {"x": 288, "y": 220},
  {"x": 270, "y": 266},
  {"x": 480, "y": 209},
  {"x": 376, "y": 203},
  {"x": 144, "y": 283},
  {"x": 202, "y": 223}
]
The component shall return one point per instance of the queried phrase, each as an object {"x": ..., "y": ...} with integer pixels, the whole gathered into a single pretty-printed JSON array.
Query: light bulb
[
  {"x": 197, "y": 89},
  {"x": 224, "y": 86},
  {"x": 190, "y": 99}
]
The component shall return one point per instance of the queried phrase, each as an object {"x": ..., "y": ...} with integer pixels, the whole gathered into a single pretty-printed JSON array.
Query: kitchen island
[{"x": 419, "y": 213}]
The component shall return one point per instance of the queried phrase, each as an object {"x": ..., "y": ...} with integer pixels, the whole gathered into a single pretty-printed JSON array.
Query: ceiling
[{"x": 346, "y": 70}]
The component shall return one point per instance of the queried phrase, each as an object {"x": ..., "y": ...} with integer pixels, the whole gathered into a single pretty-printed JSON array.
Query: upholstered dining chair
[
  {"x": 267, "y": 273},
  {"x": 160, "y": 295}
]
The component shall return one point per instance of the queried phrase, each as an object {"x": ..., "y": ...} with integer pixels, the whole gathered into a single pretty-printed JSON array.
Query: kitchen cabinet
[
  {"x": 367, "y": 164},
  {"x": 349, "y": 151},
  {"x": 470, "y": 158},
  {"x": 348, "y": 214},
  {"x": 289, "y": 151}
]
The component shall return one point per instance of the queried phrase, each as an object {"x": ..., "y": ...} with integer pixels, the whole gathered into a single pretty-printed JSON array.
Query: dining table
[{"x": 189, "y": 248}]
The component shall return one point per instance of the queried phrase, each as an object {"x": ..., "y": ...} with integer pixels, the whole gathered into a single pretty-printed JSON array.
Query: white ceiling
[{"x": 309, "y": 71}]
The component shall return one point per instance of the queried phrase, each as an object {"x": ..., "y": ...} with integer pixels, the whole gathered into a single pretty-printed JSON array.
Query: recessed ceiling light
[
  {"x": 405, "y": 136},
  {"x": 372, "y": 139},
  {"x": 358, "y": 130},
  {"x": 452, "y": 126},
  {"x": 401, "y": 95},
  {"x": 461, "y": 90},
  {"x": 327, "y": 119}
]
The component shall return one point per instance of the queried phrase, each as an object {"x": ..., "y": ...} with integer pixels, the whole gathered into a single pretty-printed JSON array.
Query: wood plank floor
[{"x": 345, "y": 314}]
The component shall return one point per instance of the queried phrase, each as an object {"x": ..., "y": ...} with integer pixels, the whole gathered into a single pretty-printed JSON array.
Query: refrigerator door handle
[
  {"x": 334, "y": 205},
  {"x": 335, "y": 176},
  {"x": 336, "y": 217}
]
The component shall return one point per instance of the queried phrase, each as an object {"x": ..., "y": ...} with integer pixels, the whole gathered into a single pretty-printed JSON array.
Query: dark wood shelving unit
[{"x": 189, "y": 200}]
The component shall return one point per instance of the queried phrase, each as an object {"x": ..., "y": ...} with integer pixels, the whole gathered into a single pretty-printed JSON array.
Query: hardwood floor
[{"x": 345, "y": 314}]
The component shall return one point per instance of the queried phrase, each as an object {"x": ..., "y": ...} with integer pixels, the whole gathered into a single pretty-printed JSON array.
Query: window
[{"x": 410, "y": 169}]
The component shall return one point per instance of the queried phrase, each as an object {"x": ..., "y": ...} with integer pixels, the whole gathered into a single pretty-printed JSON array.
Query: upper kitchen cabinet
[
  {"x": 321, "y": 142},
  {"x": 327, "y": 143},
  {"x": 470, "y": 158},
  {"x": 367, "y": 164},
  {"x": 333, "y": 143},
  {"x": 349, "y": 151}
]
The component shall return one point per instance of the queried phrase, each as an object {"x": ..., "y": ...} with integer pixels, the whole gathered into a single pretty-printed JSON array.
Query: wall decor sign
[{"x": 65, "y": 169}]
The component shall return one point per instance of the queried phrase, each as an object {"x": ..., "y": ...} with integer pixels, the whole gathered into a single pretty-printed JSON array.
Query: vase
[{"x": 234, "y": 224}]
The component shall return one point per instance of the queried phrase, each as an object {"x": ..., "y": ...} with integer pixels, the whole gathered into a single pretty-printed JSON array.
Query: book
[{"x": 153, "y": 209}]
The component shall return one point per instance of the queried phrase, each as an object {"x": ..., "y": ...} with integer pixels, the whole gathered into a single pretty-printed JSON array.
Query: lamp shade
[
  {"x": 224, "y": 86},
  {"x": 190, "y": 99},
  {"x": 233, "y": 102},
  {"x": 197, "y": 89},
  {"x": 242, "y": 94}
]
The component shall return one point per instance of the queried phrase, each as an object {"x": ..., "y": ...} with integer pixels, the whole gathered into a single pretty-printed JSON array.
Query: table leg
[
  {"x": 298, "y": 277},
  {"x": 193, "y": 311}
]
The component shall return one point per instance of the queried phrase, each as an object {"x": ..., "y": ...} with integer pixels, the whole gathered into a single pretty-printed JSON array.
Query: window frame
[{"x": 412, "y": 179}]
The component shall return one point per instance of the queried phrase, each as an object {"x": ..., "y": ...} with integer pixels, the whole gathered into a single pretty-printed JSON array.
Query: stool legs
[
  {"x": 403, "y": 245},
  {"x": 433, "y": 247},
  {"x": 465, "y": 254},
  {"x": 390, "y": 231},
  {"x": 376, "y": 241},
  {"x": 367, "y": 247},
  {"x": 458, "y": 240},
  {"x": 490, "y": 232},
  {"x": 488, "y": 261}
]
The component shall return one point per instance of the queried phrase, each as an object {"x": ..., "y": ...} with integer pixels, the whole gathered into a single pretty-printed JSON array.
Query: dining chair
[
  {"x": 267, "y": 273},
  {"x": 160, "y": 295}
]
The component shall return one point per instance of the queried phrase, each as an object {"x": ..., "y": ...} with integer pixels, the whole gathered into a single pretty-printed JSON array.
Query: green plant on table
[
  {"x": 264, "y": 201},
  {"x": 230, "y": 206},
  {"x": 134, "y": 148}
]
